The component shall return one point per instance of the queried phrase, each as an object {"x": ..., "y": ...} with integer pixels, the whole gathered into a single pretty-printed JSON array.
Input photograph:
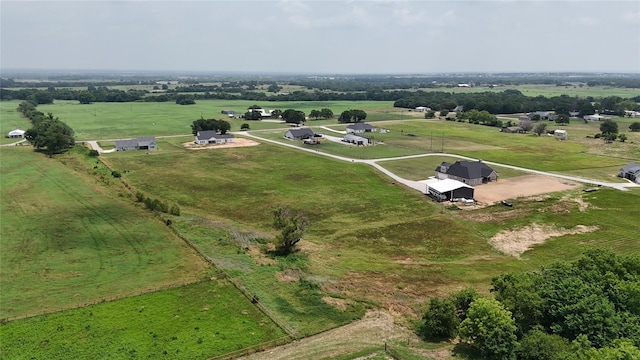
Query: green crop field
[
  {"x": 67, "y": 240},
  {"x": 192, "y": 322}
]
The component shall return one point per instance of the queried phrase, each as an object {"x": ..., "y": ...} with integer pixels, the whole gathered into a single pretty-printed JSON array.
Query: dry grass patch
[{"x": 517, "y": 241}]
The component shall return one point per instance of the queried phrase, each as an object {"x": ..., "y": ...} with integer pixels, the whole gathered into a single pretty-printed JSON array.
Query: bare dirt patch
[
  {"x": 374, "y": 329},
  {"x": 517, "y": 241},
  {"x": 520, "y": 186},
  {"x": 237, "y": 142}
]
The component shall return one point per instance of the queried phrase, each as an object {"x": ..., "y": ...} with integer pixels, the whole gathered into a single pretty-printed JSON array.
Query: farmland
[{"x": 371, "y": 243}]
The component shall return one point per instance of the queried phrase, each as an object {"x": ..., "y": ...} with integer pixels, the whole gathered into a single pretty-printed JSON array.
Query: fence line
[{"x": 253, "y": 349}]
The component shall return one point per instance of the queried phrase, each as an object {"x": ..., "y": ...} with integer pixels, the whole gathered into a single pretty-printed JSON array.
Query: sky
[{"x": 322, "y": 37}]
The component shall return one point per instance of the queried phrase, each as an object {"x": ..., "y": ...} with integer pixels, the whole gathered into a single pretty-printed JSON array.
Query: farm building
[
  {"x": 262, "y": 112},
  {"x": 359, "y": 128},
  {"x": 299, "y": 134},
  {"x": 17, "y": 133},
  {"x": 561, "y": 134},
  {"x": 468, "y": 172},
  {"x": 422, "y": 109},
  {"x": 513, "y": 130},
  {"x": 630, "y": 171},
  {"x": 212, "y": 137},
  {"x": 140, "y": 143},
  {"x": 543, "y": 115},
  {"x": 594, "y": 117},
  {"x": 449, "y": 189},
  {"x": 355, "y": 139}
]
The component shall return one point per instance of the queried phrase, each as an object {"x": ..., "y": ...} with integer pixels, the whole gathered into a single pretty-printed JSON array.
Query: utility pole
[{"x": 442, "y": 143}]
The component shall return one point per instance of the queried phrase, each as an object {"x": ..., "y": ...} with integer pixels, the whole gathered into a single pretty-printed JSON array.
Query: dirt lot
[
  {"x": 526, "y": 185},
  {"x": 237, "y": 142}
]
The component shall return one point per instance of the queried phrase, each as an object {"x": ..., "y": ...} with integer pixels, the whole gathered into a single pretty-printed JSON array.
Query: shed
[
  {"x": 17, "y": 133},
  {"x": 449, "y": 189},
  {"x": 561, "y": 134},
  {"x": 355, "y": 139}
]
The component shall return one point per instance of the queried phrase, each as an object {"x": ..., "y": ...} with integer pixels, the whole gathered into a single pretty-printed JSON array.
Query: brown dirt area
[
  {"x": 517, "y": 241},
  {"x": 520, "y": 186},
  {"x": 237, "y": 142},
  {"x": 374, "y": 329}
]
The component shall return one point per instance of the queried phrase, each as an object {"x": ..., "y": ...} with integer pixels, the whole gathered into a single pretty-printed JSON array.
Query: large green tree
[
  {"x": 201, "y": 124},
  {"x": 490, "y": 329},
  {"x": 609, "y": 127},
  {"x": 440, "y": 321},
  {"x": 51, "y": 134},
  {"x": 292, "y": 225},
  {"x": 292, "y": 116}
]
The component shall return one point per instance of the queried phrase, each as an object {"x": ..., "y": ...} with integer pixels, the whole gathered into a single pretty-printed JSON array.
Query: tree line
[
  {"x": 47, "y": 133},
  {"x": 586, "y": 309}
]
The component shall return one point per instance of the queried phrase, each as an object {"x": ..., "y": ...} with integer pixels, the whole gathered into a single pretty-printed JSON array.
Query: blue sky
[{"x": 322, "y": 36}]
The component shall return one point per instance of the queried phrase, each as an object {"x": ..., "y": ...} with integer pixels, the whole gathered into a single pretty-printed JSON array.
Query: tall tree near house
[
  {"x": 314, "y": 114},
  {"x": 292, "y": 116},
  {"x": 51, "y": 134},
  {"x": 540, "y": 128},
  {"x": 609, "y": 127},
  {"x": 326, "y": 113},
  {"x": 292, "y": 225}
]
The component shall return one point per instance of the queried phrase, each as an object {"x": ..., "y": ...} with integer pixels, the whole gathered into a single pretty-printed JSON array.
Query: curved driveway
[{"x": 420, "y": 187}]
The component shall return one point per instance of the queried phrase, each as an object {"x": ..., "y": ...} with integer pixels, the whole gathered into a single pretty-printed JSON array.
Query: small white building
[
  {"x": 594, "y": 117},
  {"x": 17, "y": 133},
  {"x": 561, "y": 134},
  {"x": 212, "y": 137},
  {"x": 422, "y": 109},
  {"x": 355, "y": 139}
]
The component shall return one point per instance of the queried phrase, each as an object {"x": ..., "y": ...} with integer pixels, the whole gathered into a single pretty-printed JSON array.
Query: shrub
[
  {"x": 116, "y": 174},
  {"x": 94, "y": 153}
]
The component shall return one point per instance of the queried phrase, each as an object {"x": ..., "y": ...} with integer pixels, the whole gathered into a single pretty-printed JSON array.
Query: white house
[
  {"x": 263, "y": 112},
  {"x": 17, "y": 133},
  {"x": 212, "y": 137},
  {"x": 594, "y": 117},
  {"x": 355, "y": 139},
  {"x": 463, "y": 85},
  {"x": 422, "y": 109},
  {"x": 561, "y": 134}
]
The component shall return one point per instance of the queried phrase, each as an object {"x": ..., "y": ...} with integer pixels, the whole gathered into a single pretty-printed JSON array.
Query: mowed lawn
[
  {"x": 196, "y": 321},
  {"x": 67, "y": 240}
]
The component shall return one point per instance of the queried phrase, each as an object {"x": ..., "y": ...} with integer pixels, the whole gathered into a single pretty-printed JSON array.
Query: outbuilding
[
  {"x": 17, "y": 133},
  {"x": 355, "y": 139},
  {"x": 449, "y": 189},
  {"x": 561, "y": 134}
]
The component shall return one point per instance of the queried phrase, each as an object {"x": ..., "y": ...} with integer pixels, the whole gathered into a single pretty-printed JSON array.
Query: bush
[
  {"x": 175, "y": 210},
  {"x": 440, "y": 321},
  {"x": 94, "y": 153},
  {"x": 116, "y": 174}
]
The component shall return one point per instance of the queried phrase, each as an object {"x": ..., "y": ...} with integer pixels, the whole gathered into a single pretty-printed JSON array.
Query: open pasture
[
  {"x": 196, "y": 321},
  {"x": 67, "y": 239},
  {"x": 126, "y": 120},
  {"x": 369, "y": 240},
  {"x": 10, "y": 119}
]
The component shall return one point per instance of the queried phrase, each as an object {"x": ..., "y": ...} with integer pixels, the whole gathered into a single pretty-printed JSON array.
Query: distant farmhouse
[
  {"x": 422, "y": 109},
  {"x": 359, "y": 128},
  {"x": 17, "y": 133},
  {"x": 468, "y": 172},
  {"x": 357, "y": 140},
  {"x": 140, "y": 143},
  {"x": 542, "y": 115},
  {"x": 299, "y": 134},
  {"x": 262, "y": 112},
  {"x": 594, "y": 117},
  {"x": 630, "y": 171},
  {"x": 513, "y": 130},
  {"x": 212, "y": 137}
]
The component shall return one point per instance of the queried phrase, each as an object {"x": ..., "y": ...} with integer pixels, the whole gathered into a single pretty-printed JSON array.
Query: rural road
[{"x": 15, "y": 143}]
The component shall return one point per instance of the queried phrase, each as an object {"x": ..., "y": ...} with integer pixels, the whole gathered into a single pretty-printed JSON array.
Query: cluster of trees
[
  {"x": 157, "y": 205},
  {"x": 352, "y": 116},
  {"x": 202, "y": 124},
  {"x": 324, "y": 113},
  {"x": 586, "y": 309},
  {"x": 47, "y": 132},
  {"x": 292, "y": 116}
]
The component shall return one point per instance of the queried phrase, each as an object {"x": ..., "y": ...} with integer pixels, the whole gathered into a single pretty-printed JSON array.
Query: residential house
[
  {"x": 357, "y": 140},
  {"x": 422, "y": 109},
  {"x": 630, "y": 171},
  {"x": 594, "y": 117},
  {"x": 213, "y": 137},
  {"x": 17, "y": 133},
  {"x": 359, "y": 128},
  {"x": 574, "y": 114},
  {"x": 459, "y": 108},
  {"x": 299, "y": 133},
  {"x": 468, "y": 172},
  {"x": 262, "y": 112},
  {"x": 543, "y": 115},
  {"x": 513, "y": 130},
  {"x": 139, "y": 143}
]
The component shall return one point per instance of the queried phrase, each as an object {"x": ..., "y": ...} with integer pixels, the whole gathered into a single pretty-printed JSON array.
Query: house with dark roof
[
  {"x": 542, "y": 115},
  {"x": 213, "y": 137},
  {"x": 513, "y": 130},
  {"x": 468, "y": 172},
  {"x": 299, "y": 133},
  {"x": 139, "y": 143},
  {"x": 359, "y": 128},
  {"x": 630, "y": 171}
]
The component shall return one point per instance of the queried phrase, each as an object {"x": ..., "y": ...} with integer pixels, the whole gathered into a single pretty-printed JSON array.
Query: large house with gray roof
[
  {"x": 139, "y": 143},
  {"x": 213, "y": 137},
  {"x": 468, "y": 172},
  {"x": 359, "y": 128},
  {"x": 299, "y": 133},
  {"x": 630, "y": 171}
]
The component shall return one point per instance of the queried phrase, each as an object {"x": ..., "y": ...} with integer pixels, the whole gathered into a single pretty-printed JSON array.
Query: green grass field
[
  {"x": 10, "y": 119},
  {"x": 67, "y": 239},
  {"x": 197, "y": 321}
]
